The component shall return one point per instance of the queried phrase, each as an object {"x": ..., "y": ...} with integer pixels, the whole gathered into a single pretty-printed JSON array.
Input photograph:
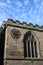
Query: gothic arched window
[{"x": 30, "y": 46}]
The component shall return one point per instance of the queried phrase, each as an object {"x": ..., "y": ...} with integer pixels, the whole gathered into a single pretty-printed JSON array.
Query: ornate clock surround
[{"x": 15, "y": 33}]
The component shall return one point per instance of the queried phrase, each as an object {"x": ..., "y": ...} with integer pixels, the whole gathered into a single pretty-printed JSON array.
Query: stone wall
[{"x": 14, "y": 48}]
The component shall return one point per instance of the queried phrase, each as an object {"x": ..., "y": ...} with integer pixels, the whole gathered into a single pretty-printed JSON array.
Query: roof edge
[{"x": 23, "y": 24}]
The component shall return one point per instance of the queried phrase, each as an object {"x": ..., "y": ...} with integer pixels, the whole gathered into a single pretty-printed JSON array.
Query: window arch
[{"x": 30, "y": 45}]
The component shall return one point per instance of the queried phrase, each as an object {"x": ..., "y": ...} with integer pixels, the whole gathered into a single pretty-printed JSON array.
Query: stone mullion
[
  {"x": 30, "y": 49},
  {"x": 27, "y": 47},
  {"x": 31, "y": 46},
  {"x": 37, "y": 45}
]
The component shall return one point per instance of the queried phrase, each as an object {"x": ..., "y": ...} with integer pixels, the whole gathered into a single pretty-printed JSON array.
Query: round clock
[{"x": 15, "y": 33}]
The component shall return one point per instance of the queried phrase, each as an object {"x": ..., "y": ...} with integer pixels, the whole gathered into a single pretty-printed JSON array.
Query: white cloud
[
  {"x": 16, "y": 9},
  {"x": 19, "y": 4},
  {"x": 34, "y": 15},
  {"x": 8, "y": 1},
  {"x": 36, "y": 1},
  {"x": 2, "y": 18},
  {"x": 41, "y": 3},
  {"x": 2, "y": 4},
  {"x": 41, "y": 8},
  {"x": 24, "y": 16},
  {"x": 30, "y": 21},
  {"x": 0, "y": 23},
  {"x": 30, "y": 11},
  {"x": 16, "y": 17},
  {"x": 37, "y": 6},
  {"x": 26, "y": 2}
]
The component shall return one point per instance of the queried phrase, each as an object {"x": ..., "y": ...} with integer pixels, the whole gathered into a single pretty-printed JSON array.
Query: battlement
[{"x": 11, "y": 22}]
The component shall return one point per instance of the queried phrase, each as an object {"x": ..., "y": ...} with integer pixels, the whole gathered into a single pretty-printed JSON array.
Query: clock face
[{"x": 15, "y": 33}]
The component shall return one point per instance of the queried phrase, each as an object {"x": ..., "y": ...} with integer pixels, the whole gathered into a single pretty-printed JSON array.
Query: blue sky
[{"x": 30, "y": 11}]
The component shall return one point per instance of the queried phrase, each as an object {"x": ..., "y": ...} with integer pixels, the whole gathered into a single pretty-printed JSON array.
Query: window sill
[{"x": 29, "y": 59}]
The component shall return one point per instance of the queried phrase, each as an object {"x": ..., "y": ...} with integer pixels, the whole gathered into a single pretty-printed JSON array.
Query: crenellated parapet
[{"x": 23, "y": 24}]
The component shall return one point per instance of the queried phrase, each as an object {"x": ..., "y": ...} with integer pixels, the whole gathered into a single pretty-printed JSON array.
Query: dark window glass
[
  {"x": 35, "y": 49},
  {"x": 32, "y": 48},
  {"x": 29, "y": 49},
  {"x": 25, "y": 52}
]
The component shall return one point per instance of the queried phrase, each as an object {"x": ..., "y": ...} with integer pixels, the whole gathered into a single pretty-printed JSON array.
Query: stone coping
[
  {"x": 23, "y": 24},
  {"x": 35, "y": 59}
]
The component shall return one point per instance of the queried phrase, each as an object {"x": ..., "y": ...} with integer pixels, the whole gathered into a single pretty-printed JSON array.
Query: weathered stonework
[{"x": 14, "y": 48}]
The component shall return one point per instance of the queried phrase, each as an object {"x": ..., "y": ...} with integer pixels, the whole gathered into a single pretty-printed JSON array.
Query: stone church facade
[{"x": 23, "y": 43}]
